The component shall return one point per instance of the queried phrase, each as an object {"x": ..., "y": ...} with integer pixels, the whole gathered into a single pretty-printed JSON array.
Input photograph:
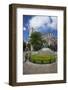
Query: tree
[
  {"x": 36, "y": 40},
  {"x": 24, "y": 46},
  {"x": 45, "y": 43},
  {"x": 28, "y": 45}
]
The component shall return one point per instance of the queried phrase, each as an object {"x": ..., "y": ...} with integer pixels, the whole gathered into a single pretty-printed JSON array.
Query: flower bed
[{"x": 43, "y": 59}]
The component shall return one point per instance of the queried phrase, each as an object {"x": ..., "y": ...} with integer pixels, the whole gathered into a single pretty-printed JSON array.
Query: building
[{"x": 49, "y": 38}]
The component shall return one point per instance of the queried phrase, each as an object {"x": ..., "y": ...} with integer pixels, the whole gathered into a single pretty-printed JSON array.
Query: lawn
[{"x": 43, "y": 59}]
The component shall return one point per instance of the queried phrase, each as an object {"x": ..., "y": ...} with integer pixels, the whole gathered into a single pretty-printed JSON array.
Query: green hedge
[{"x": 43, "y": 59}]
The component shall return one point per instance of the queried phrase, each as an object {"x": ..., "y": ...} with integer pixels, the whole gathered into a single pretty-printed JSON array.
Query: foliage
[
  {"x": 36, "y": 40},
  {"x": 43, "y": 59},
  {"x": 24, "y": 46},
  {"x": 45, "y": 43},
  {"x": 28, "y": 45}
]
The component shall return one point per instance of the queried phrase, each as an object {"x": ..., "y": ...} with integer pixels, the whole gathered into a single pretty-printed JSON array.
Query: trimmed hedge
[{"x": 43, "y": 59}]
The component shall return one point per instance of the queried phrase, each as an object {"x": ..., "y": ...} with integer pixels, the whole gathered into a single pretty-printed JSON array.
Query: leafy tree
[
  {"x": 28, "y": 45},
  {"x": 36, "y": 40},
  {"x": 24, "y": 45},
  {"x": 45, "y": 43}
]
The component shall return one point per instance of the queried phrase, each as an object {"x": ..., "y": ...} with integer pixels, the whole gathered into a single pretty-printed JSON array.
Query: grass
[{"x": 43, "y": 59}]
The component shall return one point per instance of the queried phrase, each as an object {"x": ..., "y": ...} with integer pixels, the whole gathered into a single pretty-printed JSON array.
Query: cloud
[
  {"x": 43, "y": 21},
  {"x": 38, "y": 21},
  {"x": 24, "y": 29},
  {"x": 54, "y": 23}
]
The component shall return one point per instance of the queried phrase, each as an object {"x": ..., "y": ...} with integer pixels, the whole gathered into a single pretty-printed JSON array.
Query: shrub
[{"x": 43, "y": 59}]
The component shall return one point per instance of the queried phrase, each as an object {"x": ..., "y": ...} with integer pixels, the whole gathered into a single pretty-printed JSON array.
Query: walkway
[{"x": 31, "y": 68}]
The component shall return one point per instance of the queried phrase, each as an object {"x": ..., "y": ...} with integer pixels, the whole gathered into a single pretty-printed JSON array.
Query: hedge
[{"x": 43, "y": 59}]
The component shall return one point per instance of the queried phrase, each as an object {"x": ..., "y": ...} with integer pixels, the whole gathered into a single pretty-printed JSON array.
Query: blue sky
[
  {"x": 26, "y": 19},
  {"x": 41, "y": 24}
]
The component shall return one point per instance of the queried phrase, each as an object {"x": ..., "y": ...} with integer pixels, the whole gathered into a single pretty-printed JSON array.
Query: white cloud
[
  {"x": 24, "y": 29},
  {"x": 43, "y": 21},
  {"x": 38, "y": 21}
]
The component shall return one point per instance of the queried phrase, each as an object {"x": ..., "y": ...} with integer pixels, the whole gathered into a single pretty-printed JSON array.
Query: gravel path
[{"x": 31, "y": 68}]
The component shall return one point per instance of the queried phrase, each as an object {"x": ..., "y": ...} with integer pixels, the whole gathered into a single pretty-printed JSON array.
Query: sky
[{"x": 41, "y": 24}]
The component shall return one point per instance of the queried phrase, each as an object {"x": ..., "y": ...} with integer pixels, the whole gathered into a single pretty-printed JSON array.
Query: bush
[{"x": 43, "y": 59}]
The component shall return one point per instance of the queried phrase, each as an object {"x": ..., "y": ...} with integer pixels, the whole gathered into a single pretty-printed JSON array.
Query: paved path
[{"x": 31, "y": 68}]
